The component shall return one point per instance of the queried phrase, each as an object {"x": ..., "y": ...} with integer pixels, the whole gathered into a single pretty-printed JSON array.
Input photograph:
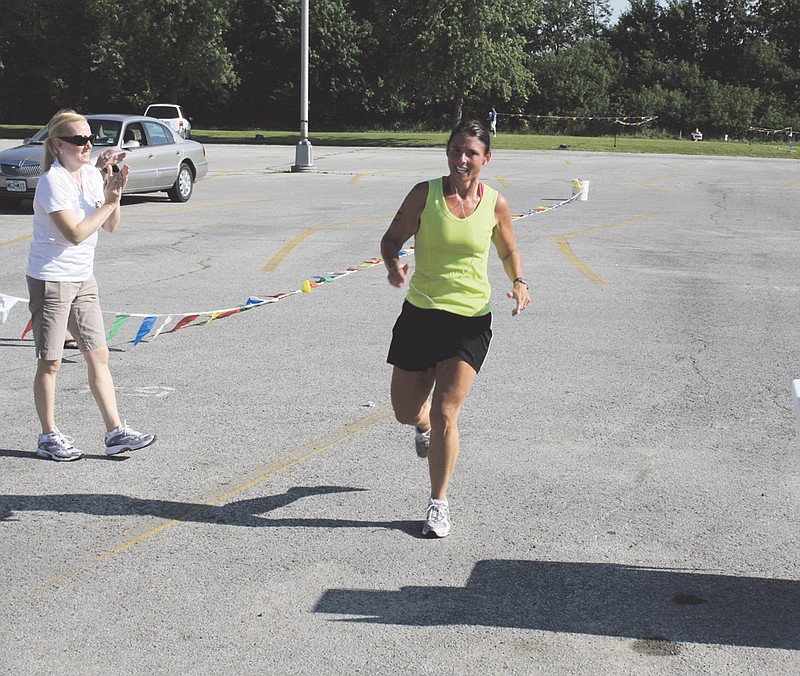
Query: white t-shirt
[{"x": 52, "y": 257}]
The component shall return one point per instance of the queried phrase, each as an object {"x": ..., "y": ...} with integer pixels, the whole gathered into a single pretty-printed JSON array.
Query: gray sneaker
[
  {"x": 125, "y": 438},
  {"x": 58, "y": 447},
  {"x": 422, "y": 440},
  {"x": 437, "y": 519}
]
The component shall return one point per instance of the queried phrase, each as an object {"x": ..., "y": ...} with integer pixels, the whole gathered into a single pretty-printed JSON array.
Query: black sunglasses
[{"x": 79, "y": 140}]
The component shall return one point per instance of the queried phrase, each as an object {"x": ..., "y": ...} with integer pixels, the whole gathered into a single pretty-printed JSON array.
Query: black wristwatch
[{"x": 522, "y": 280}]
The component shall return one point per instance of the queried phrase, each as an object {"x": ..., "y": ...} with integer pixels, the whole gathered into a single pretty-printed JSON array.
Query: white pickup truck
[{"x": 171, "y": 114}]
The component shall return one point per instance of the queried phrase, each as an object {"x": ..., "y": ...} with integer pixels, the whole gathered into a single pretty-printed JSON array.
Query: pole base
[{"x": 303, "y": 157}]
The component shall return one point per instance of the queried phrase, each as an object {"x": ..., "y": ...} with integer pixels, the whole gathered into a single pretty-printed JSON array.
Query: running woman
[{"x": 442, "y": 336}]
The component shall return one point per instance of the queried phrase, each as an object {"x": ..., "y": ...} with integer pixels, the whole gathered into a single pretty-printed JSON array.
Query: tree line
[{"x": 722, "y": 65}]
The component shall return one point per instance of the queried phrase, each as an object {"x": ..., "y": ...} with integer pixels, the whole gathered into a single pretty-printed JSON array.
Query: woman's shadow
[{"x": 247, "y": 513}]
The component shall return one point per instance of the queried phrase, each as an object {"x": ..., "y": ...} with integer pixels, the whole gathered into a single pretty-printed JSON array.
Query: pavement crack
[
  {"x": 696, "y": 347},
  {"x": 202, "y": 265},
  {"x": 780, "y": 401},
  {"x": 622, "y": 494},
  {"x": 183, "y": 240}
]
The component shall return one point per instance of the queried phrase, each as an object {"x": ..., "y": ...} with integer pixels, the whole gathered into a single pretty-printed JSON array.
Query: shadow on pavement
[
  {"x": 239, "y": 513},
  {"x": 658, "y": 606}
]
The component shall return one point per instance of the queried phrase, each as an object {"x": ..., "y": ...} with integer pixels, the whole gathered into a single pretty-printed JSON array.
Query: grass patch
[
  {"x": 623, "y": 143},
  {"x": 370, "y": 139},
  {"x": 20, "y": 131}
]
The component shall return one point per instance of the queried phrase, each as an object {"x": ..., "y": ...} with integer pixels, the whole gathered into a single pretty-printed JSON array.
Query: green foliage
[
  {"x": 561, "y": 24},
  {"x": 265, "y": 41},
  {"x": 449, "y": 50},
  {"x": 578, "y": 80},
  {"x": 623, "y": 143},
  {"x": 721, "y": 65},
  {"x": 149, "y": 51},
  {"x": 106, "y": 55}
]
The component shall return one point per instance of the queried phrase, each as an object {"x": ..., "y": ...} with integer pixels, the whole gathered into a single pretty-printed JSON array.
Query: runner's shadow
[
  {"x": 245, "y": 513},
  {"x": 660, "y": 608}
]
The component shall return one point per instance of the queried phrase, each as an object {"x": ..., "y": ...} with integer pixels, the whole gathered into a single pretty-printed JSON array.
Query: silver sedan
[{"x": 159, "y": 159}]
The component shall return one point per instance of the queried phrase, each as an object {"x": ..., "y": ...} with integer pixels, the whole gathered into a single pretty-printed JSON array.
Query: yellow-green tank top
[{"x": 451, "y": 256}]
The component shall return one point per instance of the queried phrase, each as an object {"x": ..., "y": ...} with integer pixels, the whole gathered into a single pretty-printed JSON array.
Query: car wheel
[{"x": 184, "y": 184}]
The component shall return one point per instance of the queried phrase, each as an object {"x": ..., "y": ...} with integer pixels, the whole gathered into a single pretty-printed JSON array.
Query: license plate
[{"x": 16, "y": 186}]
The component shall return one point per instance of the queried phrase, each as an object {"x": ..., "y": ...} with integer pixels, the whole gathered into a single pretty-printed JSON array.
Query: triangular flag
[
  {"x": 162, "y": 327},
  {"x": 144, "y": 329},
  {"x": 188, "y": 319},
  {"x": 227, "y": 313},
  {"x": 118, "y": 322},
  {"x": 6, "y": 303},
  {"x": 27, "y": 329},
  {"x": 251, "y": 302}
]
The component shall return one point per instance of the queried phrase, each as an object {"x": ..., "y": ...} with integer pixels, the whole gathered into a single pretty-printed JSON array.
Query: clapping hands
[{"x": 108, "y": 159}]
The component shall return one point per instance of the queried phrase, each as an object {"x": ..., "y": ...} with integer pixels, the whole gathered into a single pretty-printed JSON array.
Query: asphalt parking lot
[{"x": 626, "y": 501}]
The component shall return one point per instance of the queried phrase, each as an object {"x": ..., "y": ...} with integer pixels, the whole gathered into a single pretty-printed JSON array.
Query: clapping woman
[{"x": 73, "y": 201}]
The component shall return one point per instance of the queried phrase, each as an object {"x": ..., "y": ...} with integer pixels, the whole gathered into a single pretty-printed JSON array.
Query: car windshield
[
  {"x": 163, "y": 111},
  {"x": 39, "y": 137},
  {"x": 106, "y": 132}
]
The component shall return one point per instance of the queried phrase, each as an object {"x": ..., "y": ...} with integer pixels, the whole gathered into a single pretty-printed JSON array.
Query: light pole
[{"x": 303, "y": 157}]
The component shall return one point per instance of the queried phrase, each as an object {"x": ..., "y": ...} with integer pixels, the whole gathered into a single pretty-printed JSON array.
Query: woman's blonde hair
[{"x": 58, "y": 127}]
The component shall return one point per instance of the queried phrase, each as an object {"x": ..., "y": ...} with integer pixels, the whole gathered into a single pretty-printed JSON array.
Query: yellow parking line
[
  {"x": 502, "y": 181},
  {"x": 251, "y": 479},
  {"x": 569, "y": 254},
  {"x": 358, "y": 177},
  {"x": 615, "y": 224},
  {"x": 242, "y": 172},
  {"x": 194, "y": 207},
  {"x": 584, "y": 269},
  {"x": 218, "y": 205},
  {"x": 644, "y": 184},
  {"x": 272, "y": 264},
  {"x": 18, "y": 239}
]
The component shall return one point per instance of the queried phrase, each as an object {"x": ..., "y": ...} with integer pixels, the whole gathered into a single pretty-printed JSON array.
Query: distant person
[
  {"x": 493, "y": 121},
  {"x": 73, "y": 201},
  {"x": 697, "y": 135},
  {"x": 442, "y": 335}
]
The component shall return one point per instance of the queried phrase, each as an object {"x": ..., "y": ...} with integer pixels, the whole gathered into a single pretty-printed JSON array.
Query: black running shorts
[{"x": 422, "y": 338}]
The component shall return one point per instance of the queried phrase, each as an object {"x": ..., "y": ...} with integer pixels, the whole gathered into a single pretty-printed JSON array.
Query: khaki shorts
[{"x": 55, "y": 306}]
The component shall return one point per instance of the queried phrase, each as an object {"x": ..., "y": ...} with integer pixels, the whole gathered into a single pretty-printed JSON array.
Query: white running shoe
[
  {"x": 422, "y": 440},
  {"x": 58, "y": 447},
  {"x": 125, "y": 438},
  {"x": 437, "y": 519}
]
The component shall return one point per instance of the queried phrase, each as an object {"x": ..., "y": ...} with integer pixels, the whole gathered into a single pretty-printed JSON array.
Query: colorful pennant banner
[
  {"x": 149, "y": 320},
  {"x": 626, "y": 120},
  {"x": 789, "y": 131},
  {"x": 577, "y": 193}
]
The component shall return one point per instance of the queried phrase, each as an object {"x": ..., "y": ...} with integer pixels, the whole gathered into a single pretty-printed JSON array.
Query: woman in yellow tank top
[{"x": 443, "y": 333}]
